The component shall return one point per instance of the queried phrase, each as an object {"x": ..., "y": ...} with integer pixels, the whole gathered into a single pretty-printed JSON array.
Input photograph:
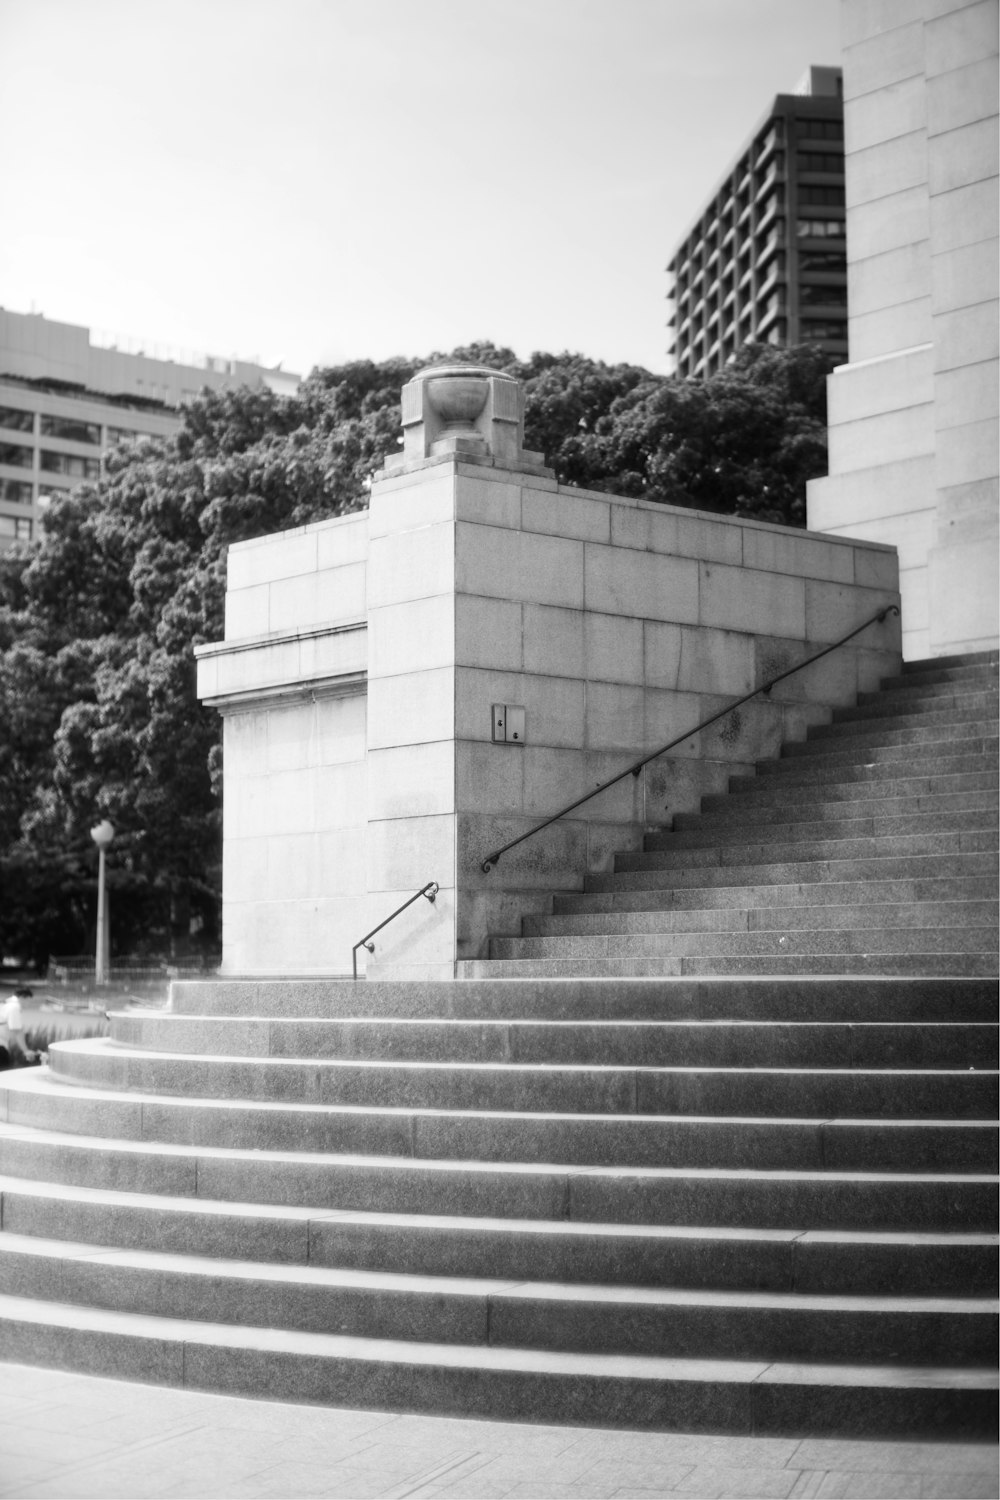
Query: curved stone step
[
  {"x": 825, "y": 1197},
  {"x": 810, "y": 1261},
  {"x": 580, "y": 1088},
  {"x": 614, "y": 1390},
  {"x": 744, "y": 1043},
  {"x": 499, "y": 1313},
  {"x": 729, "y": 1141}
]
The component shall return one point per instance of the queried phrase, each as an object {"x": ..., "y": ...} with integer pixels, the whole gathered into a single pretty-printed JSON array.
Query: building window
[
  {"x": 823, "y": 328},
  {"x": 820, "y": 229},
  {"x": 822, "y": 260},
  {"x": 820, "y": 130},
  {"x": 15, "y": 491},
  {"x": 831, "y": 197},
  {"x": 70, "y": 428},
  {"x": 830, "y": 296},
  {"x": 17, "y": 526},
  {"x": 16, "y": 419},
  {"x": 15, "y": 455},
  {"x": 815, "y": 161},
  {"x": 70, "y": 464}
]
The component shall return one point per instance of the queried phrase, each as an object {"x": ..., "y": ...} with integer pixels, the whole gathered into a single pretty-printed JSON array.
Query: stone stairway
[
  {"x": 733, "y": 1203},
  {"x": 868, "y": 848}
]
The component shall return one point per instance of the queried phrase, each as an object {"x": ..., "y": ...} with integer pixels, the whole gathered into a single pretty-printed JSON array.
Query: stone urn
[{"x": 457, "y": 395}]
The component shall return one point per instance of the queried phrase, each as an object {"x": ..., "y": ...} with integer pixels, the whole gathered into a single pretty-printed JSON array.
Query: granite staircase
[
  {"x": 755, "y": 1202},
  {"x": 868, "y": 848}
]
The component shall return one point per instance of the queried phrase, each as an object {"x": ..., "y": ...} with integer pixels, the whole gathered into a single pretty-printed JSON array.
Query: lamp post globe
[{"x": 102, "y": 834}]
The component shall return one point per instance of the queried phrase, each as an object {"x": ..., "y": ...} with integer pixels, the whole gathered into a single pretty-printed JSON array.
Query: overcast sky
[{"x": 318, "y": 180}]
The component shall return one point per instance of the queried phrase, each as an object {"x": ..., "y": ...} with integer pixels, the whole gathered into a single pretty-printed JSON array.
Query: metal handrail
[
  {"x": 429, "y": 890},
  {"x": 634, "y": 769}
]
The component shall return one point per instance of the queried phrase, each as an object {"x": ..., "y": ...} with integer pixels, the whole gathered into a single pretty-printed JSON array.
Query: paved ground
[{"x": 76, "y": 1436}]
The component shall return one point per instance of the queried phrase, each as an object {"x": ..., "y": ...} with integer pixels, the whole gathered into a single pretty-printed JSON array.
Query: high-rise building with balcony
[
  {"x": 766, "y": 259},
  {"x": 68, "y": 395}
]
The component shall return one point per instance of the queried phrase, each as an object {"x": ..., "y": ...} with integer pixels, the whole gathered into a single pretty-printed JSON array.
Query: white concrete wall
[
  {"x": 290, "y": 681},
  {"x": 913, "y": 439}
]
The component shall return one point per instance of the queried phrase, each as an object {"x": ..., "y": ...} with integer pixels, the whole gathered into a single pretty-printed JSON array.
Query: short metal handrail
[
  {"x": 636, "y": 766},
  {"x": 429, "y": 890}
]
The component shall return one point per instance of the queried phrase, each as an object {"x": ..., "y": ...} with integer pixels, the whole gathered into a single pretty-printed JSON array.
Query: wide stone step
[
  {"x": 743, "y": 809},
  {"x": 837, "y": 870},
  {"x": 897, "y": 762},
  {"x": 657, "y": 998},
  {"x": 920, "y": 674},
  {"x": 963, "y": 661},
  {"x": 725, "y": 1141},
  {"x": 823, "y": 1197},
  {"x": 753, "y": 850},
  {"x": 921, "y": 704},
  {"x": 494, "y": 1312},
  {"x": 818, "y": 762},
  {"x": 822, "y": 1262},
  {"x": 777, "y": 898},
  {"x": 970, "y": 715},
  {"x": 630, "y": 1043},
  {"x": 778, "y": 918},
  {"x": 582, "y": 1089},
  {"x": 829, "y": 742},
  {"x": 834, "y": 825},
  {"x": 755, "y": 944},
  {"x": 755, "y": 792},
  {"x": 929, "y": 694},
  {"x": 812, "y": 965},
  {"x": 613, "y": 1389}
]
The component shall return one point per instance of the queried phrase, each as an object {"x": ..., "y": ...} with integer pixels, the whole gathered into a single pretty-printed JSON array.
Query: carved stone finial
[{"x": 469, "y": 411}]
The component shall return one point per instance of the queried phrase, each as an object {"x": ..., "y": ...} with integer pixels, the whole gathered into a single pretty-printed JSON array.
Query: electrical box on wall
[{"x": 508, "y": 724}]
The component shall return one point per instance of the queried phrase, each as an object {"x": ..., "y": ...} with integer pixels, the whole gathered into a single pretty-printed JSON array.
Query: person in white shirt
[{"x": 12, "y": 1030}]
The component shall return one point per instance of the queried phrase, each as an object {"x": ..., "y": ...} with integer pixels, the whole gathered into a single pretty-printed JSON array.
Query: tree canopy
[{"x": 99, "y": 618}]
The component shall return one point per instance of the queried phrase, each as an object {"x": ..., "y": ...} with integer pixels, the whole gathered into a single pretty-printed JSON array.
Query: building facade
[
  {"x": 913, "y": 416},
  {"x": 66, "y": 398},
  {"x": 766, "y": 259}
]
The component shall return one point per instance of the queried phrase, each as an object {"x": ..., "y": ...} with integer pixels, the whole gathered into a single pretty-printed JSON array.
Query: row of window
[
  {"x": 72, "y": 429},
  {"x": 810, "y": 193},
  {"x": 16, "y": 526},
  {"x": 71, "y": 464},
  {"x": 819, "y": 229},
  {"x": 816, "y": 161}
]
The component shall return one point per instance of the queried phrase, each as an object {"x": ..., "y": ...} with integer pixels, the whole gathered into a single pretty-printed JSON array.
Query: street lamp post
[{"x": 102, "y": 836}]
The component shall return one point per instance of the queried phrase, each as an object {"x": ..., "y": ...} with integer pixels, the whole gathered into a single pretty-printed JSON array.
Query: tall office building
[
  {"x": 67, "y": 396},
  {"x": 766, "y": 259}
]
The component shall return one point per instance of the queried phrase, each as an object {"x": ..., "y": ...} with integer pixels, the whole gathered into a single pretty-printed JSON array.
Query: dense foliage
[{"x": 98, "y": 620}]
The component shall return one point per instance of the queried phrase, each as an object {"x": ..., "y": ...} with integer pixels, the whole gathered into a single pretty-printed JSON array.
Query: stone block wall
[{"x": 913, "y": 416}]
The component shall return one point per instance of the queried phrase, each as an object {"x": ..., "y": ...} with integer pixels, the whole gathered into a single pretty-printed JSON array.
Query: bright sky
[{"x": 319, "y": 180}]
